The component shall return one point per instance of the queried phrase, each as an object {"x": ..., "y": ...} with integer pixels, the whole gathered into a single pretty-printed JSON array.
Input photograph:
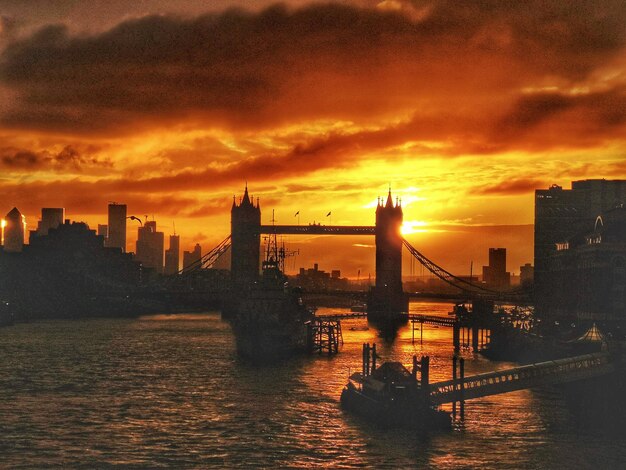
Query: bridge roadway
[
  {"x": 533, "y": 375},
  {"x": 414, "y": 317},
  {"x": 318, "y": 229}
]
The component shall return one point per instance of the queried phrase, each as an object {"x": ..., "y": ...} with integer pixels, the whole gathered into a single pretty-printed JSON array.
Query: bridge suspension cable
[
  {"x": 207, "y": 260},
  {"x": 448, "y": 277}
]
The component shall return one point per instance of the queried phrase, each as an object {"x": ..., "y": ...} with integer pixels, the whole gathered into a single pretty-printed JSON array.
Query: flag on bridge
[
  {"x": 297, "y": 213},
  {"x": 327, "y": 215}
]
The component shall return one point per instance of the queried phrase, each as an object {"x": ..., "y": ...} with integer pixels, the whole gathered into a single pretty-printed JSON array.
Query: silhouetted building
[
  {"x": 586, "y": 276},
  {"x": 13, "y": 231},
  {"x": 69, "y": 273},
  {"x": 318, "y": 280},
  {"x": 172, "y": 256},
  {"x": 562, "y": 213},
  {"x": 495, "y": 274},
  {"x": 527, "y": 275},
  {"x": 51, "y": 217},
  {"x": 192, "y": 257},
  {"x": 245, "y": 221},
  {"x": 387, "y": 298},
  {"x": 103, "y": 231},
  {"x": 150, "y": 244},
  {"x": 117, "y": 226}
]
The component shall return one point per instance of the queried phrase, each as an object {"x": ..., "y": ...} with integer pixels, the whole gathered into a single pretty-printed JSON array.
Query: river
[{"x": 169, "y": 391}]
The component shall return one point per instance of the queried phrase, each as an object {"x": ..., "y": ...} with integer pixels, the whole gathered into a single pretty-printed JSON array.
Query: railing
[{"x": 518, "y": 378}]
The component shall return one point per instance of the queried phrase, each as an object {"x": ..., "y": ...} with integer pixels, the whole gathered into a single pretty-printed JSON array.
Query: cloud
[
  {"x": 513, "y": 187},
  {"x": 69, "y": 157},
  {"x": 243, "y": 69}
]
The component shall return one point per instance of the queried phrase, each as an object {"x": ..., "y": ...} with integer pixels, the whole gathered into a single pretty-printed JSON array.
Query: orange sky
[{"x": 463, "y": 107}]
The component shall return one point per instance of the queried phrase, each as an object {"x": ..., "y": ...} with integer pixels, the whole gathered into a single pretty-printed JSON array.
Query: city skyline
[{"x": 464, "y": 109}]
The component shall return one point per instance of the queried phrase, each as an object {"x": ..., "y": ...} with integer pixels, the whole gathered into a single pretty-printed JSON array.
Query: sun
[{"x": 413, "y": 226}]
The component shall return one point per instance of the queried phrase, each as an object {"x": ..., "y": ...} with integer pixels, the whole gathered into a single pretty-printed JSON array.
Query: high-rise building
[
  {"x": 192, "y": 257},
  {"x": 495, "y": 274},
  {"x": 172, "y": 256},
  {"x": 149, "y": 246},
  {"x": 117, "y": 226},
  {"x": 563, "y": 213},
  {"x": 51, "y": 217},
  {"x": 527, "y": 275},
  {"x": 103, "y": 230},
  {"x": 13, "y": 231}
]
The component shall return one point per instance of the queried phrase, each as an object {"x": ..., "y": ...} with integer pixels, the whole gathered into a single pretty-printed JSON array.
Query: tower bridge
[{"x": 386, "y": 300}]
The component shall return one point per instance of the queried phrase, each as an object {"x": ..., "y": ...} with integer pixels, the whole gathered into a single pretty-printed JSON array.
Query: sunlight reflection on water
[{"x": 168, "y": 390}]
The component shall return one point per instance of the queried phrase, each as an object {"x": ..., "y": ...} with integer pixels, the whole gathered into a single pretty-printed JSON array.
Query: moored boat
[{"x": 392, "y": 396}]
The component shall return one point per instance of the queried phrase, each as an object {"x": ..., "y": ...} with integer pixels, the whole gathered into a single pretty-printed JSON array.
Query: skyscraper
[
  {"x": 149, "y": 245},
  {"x": 13, "y": 231},
  {"x": 495, "y": 274},
  {"x": 191, "y": 257},
  {"x": 117, "y": 226},
  {"x": 103, "y": 230},
  {"x": 51, "y": 217},
  {"x": 172, "y": 256}
]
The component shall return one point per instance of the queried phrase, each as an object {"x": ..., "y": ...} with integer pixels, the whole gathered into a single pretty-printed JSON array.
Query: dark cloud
[
  {"x": 69, "y": 158},
  {"x": 513, "y": 187},
  {"x": 253, "y": 69}
]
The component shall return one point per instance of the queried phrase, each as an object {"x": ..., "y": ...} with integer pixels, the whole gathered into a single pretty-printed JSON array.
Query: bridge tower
[
  {"x": 245, "y": 226},
  {"x": 387, "y": 301}
]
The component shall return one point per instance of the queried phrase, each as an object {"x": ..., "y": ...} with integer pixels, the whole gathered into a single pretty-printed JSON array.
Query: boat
[
  {"x": 358, "y": 308},
  {"x": 392, "y": 396},
  {"x": 270, "y": 319}
]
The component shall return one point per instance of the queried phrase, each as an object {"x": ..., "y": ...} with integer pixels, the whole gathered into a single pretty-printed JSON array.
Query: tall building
[
  {"x": 149, "y": 245},
  {"x": 527, "y": 275},
  {"x": 51, "y": 217},
  {"x": 13, "y": 231},
  {"x": 117, "y": 226},
  {"x": 172, "y": 256},
  {"x": 191, "y": 257},
  {"x": 563, "y": 213},
  {"x": 495, "y": 274}
]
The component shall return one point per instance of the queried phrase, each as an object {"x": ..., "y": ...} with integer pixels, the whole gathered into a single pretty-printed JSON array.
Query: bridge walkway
[
  {"x": 518, "y": 378},
  {"x": 413, "y": 317}
]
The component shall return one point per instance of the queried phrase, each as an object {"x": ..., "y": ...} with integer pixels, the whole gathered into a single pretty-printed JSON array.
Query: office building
[
  {"x": 495, "y": 275},
  {"x": 117, "y": 226},
  {"x": 172, "y": 256},
  {"x": 191, "y": 258},
  {"x": 103, "y": 230},
  {"x": 527, "y": 275},
  {"x": 562, "y": 213},
  {"x": 150, "y": 245},
  {"x": 13, "y": 231},
  {"x": 51, "y": 217}
]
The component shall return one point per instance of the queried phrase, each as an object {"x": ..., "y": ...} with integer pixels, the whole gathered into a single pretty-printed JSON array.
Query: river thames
[{"x": 169, "y": 391}]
